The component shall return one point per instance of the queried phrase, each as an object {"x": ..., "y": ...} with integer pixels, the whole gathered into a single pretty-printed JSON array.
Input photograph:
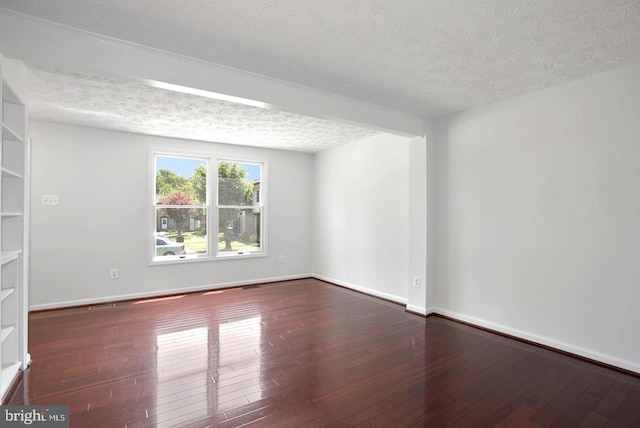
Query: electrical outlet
[
  {"x": 416, "y": 281},
  {"x": 114, "y": 273}
]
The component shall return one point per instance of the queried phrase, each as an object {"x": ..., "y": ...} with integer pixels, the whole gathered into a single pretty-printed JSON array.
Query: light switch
[{"x": 50, "y": 200}]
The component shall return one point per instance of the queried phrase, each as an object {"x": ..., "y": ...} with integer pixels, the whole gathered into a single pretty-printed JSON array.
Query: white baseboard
[
  {"x": 365, "y": 290},
  {"x": 417, "y": 309},
  {"x": 158, "y": 293},
  {"x": 562, "y": 346}
]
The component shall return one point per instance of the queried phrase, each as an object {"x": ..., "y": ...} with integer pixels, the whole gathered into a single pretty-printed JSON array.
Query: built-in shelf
[
  {"x": 11, "y": 214},
  {"x": 10, "y": 255},
  {"x": 7, "y": 173},
  {"x": 5, "y": 332},
  {"x": 10, "y": 134},
  {"x": 9, "y": 372},
  {"x": 6, "y": 293},
  {"x": 14, "y": 185},
  {"x": 9, "y": 95}
]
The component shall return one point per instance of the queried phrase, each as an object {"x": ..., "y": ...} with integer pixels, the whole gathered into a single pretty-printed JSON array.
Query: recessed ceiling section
[
  {"x": 418, "y": 57},
  {"x": 68, "y": 97}
]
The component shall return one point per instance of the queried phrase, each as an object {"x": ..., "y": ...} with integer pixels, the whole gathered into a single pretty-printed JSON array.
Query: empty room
[{"x": 320, "y": 214}]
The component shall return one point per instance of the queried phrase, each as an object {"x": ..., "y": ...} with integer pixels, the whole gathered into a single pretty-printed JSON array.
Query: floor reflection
[
  {"x": 208, "y": 370},
  {"x": 239, "y": 344},
  {"x": 183, "y": 363}
]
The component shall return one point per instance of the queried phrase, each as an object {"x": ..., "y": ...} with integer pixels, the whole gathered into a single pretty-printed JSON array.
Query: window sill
[{"x": 172, "y": 260}]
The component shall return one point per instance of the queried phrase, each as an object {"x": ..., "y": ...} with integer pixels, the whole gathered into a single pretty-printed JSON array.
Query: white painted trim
[
  {"x": 566, "y": 347},
  {"x": 364, "y": 290},
  {"x": 46, "y": 43},
  {"x": 417, "y": 309},
  {"x": 159, "y": 293},
  {"x": 212, "y": 159},
  {"x": 27, "y": 361}
]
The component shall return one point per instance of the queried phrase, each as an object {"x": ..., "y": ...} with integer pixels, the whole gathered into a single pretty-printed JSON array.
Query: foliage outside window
[
  {"x": 239, "y": 207},
  {"x": 182, "y": 211}
]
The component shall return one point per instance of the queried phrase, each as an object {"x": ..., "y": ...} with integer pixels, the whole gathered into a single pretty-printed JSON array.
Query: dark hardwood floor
[{"x": 305, "y": 353}]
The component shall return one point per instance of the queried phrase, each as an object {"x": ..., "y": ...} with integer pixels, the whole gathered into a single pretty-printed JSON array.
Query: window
[
  {"x": 181, "y": 208},
  {"x": 183, "y": 215},
  {"x": 239, "y": 207}
]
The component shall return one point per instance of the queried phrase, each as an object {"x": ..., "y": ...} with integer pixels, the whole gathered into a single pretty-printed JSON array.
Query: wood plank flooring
[{"x": 305, "y": 354}]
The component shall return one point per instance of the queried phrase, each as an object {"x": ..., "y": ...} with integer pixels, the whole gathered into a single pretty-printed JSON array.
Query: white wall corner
[
  {"x": 361, "y": 289},
  {"x": 417, "y": 309},
  {"x": 418, "y": 226}
]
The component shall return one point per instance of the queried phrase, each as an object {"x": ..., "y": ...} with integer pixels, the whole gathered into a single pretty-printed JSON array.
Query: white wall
[
  {"x": 538, "y": 214},
  {"x": 361, "y": 216},
  {"x": 417, "y": 297},
  {"x": 101, "y": 178},
  {"x": 431, "y": 220}
]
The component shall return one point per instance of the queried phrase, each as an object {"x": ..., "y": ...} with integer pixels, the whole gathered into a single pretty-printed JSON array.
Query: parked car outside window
[{"x": 166, "y": 247}]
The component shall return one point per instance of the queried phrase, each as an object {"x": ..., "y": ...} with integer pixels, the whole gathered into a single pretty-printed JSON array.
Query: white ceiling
[{"x": 421, "y": 57}]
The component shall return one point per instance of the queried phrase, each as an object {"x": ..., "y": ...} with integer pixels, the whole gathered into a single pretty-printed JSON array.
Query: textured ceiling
[
  {"x": 60, "y": 96},
  {"x": 424, "y": 57}
]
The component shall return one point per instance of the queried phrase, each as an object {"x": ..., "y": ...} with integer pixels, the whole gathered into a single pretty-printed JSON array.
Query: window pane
[
  {"x": 238, "y": 183},
  {"x": 182, "y": 229},
  {"x": 240, "y": 230},
  {"x": 181, "y": 181}
]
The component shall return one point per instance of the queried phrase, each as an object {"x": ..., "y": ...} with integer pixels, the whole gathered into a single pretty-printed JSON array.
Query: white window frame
[
  {"x": 211, "y": 205},
  {"x": 261, "y": 204}
]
